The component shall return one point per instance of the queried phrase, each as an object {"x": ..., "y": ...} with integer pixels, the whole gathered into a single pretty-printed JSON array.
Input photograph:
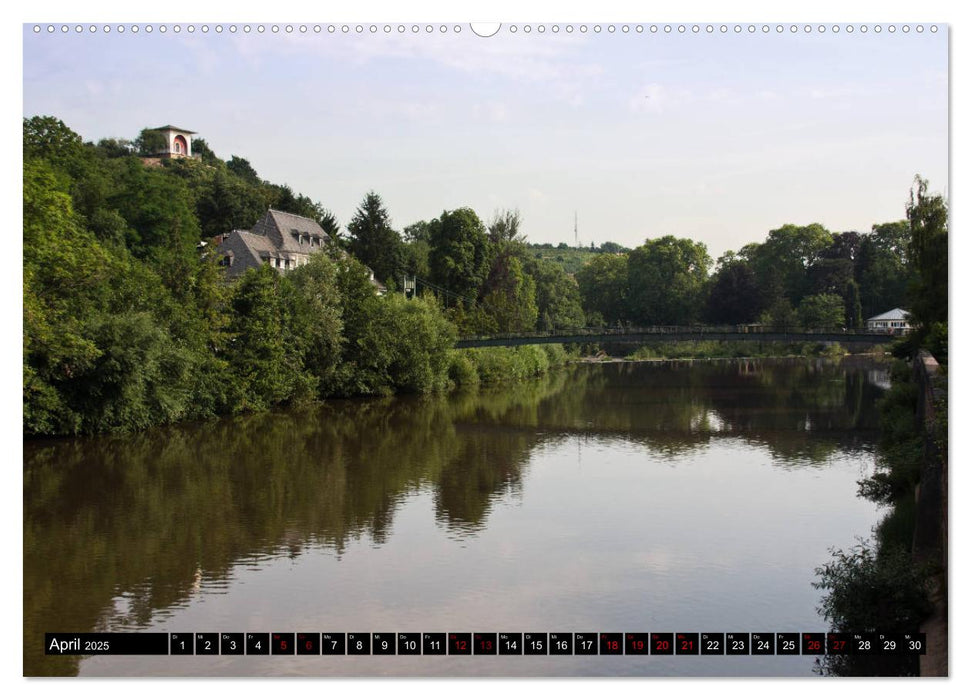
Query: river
[{"x": 624, "y": 497}]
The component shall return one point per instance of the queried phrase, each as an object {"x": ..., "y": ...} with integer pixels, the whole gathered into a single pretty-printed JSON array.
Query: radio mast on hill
[{"x": 576, "y": 237}]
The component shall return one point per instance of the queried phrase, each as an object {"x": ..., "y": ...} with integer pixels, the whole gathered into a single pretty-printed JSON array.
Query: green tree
[
  {"x": 733, "y": 293},
  {"x": 116, "y": 148},
  {"x": 51, "y": 139},
  {"x": 830, "y": 275},
  {"x": 418, "y": 231},
  {"x": 151, "y": 142},
  {"x": 460, "y": 257},
  {"x": 328, "y": 221},
  {"x": 504, "y": 232},
  {"x": 316, "y": 317},
  {"x": 780, "y": 314},
  {"x": 65, "y": 282},
  {"x": 557, "y": 296},
  {"x": 139, "y": 379},
  {"x": 822, "y": 311},
  {"x": 419, "y": 340},
  {"x": 262, "y": 352},
  {"x": 667, "y": 278},
  {"x": 242, "y": 168},
  {"x": 162, "y": 226},
  {"x": 283, "y": 198},
  {"x": 611, "y": 247},
  {"x": 225, "y": 203},
  {"x": 783, "y": 260},
  {"x": 373, "y": 241},
  {"x": 201, "y": 148},
  {"x": 603, "y": 287},
  {"x": 927, "y": 214},
  {"x": 883, "y": 269},
  {"x": 362, "y": 366},
  {"x": 99, "y": 349},
  {"x": 417, "y": 249},
  {"x": 509, "y": 293},
  {"x": 510, "y": 304},
  {"x": 415, "y": 256},
  {"x": 853, "y": 307}
]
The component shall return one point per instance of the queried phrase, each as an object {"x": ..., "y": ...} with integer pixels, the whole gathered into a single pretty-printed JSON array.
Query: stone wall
[
  {"x": 930, "y": 529},
  {"x": 930, "y": 532}
]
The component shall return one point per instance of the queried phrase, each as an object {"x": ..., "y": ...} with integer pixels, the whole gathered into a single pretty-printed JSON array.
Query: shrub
[
  {"x": 870, "y": 591},
  {"x": 462, "y": 369},
  {"x": 556, "y": 354},
  {"x": 500, "y": 364}
]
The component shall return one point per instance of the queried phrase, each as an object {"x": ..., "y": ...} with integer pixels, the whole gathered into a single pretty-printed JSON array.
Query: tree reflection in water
[{"x": 144, "y": 519}]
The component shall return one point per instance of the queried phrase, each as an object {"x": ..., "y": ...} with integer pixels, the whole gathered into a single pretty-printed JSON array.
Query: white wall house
[
  {"x": 179, "y": 141},
  {"x": 893, "y": 321}
]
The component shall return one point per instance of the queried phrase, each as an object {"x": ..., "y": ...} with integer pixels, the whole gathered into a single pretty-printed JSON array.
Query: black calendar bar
[
  {"x": 106, "y": 643},
  {"x": 482, "y": 643}
]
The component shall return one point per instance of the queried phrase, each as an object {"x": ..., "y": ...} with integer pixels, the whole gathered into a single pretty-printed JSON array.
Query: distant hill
[{"x": 571, "y": 259}]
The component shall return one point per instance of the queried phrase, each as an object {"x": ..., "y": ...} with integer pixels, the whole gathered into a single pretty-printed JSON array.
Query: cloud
[
  {"x": 826, "y": 92},
  {"x": 544, "y": 61}
]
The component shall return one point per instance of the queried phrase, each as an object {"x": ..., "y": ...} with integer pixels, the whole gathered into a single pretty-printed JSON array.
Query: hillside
[{"x": 569, "y": 258}]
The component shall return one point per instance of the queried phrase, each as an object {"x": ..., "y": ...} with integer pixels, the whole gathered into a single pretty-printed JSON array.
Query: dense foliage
[
  {"x": 886, "y": 585},
  {"x": 800, "y": 276},
  {"x": 129, "y": 320}
]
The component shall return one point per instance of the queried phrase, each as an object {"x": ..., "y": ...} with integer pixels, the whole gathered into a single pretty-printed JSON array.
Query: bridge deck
[{"x": 644, "y": 335}]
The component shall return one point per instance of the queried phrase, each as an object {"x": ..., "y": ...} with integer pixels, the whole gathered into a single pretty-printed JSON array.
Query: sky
[{"x": 715, "y": 137}]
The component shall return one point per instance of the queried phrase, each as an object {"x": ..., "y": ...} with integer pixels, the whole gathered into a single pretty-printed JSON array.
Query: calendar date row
[{"x": 483, "y": 643}]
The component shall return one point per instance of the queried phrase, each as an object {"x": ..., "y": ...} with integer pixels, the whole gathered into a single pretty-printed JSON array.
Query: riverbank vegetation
[
  {"x": 129, "y": 320},
  {"x": 703, "y": 349},
  {"x": 885, "y": 584},
  {"x": 499, "y": 364}
]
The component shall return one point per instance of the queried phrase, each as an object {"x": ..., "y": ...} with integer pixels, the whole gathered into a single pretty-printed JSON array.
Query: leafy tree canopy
[
  {"x": 373, "y": 241},
  {"x": 603, "y": 287},
  {"x": 927, "y": 214},
  {"x": 151, "y": 142},
  {"x": 461, "y": 256},
  {"x": 822, "y": 311},
  {"x": 666, "y": 278}
]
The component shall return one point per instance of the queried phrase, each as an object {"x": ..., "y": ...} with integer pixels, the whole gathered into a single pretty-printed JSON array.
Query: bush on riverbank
[
  {"x": 493, "y": 365},
  {"x": 873, "y": 589},
  {"x": 901, "y": 447},
  {"x": 878, "y": 585},
  {"x": 701, "y": 349}
]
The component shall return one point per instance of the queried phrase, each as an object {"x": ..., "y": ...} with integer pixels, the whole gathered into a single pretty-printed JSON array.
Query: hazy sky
[{"x": 719, "y": 138}]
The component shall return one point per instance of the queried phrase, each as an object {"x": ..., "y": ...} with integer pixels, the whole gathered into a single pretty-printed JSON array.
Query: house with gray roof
[
  {"x": 279, "y": 239},
  {"x": 894, "y": 321}
]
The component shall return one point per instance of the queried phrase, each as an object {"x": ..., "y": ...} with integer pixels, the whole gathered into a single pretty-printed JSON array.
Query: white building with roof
[
  {"x": 178, "y": 140},
  {"x": 894, "y": 321}
]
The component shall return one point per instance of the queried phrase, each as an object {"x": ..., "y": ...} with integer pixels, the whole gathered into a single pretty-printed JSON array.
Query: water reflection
[{"x": 119, "y": 530}]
